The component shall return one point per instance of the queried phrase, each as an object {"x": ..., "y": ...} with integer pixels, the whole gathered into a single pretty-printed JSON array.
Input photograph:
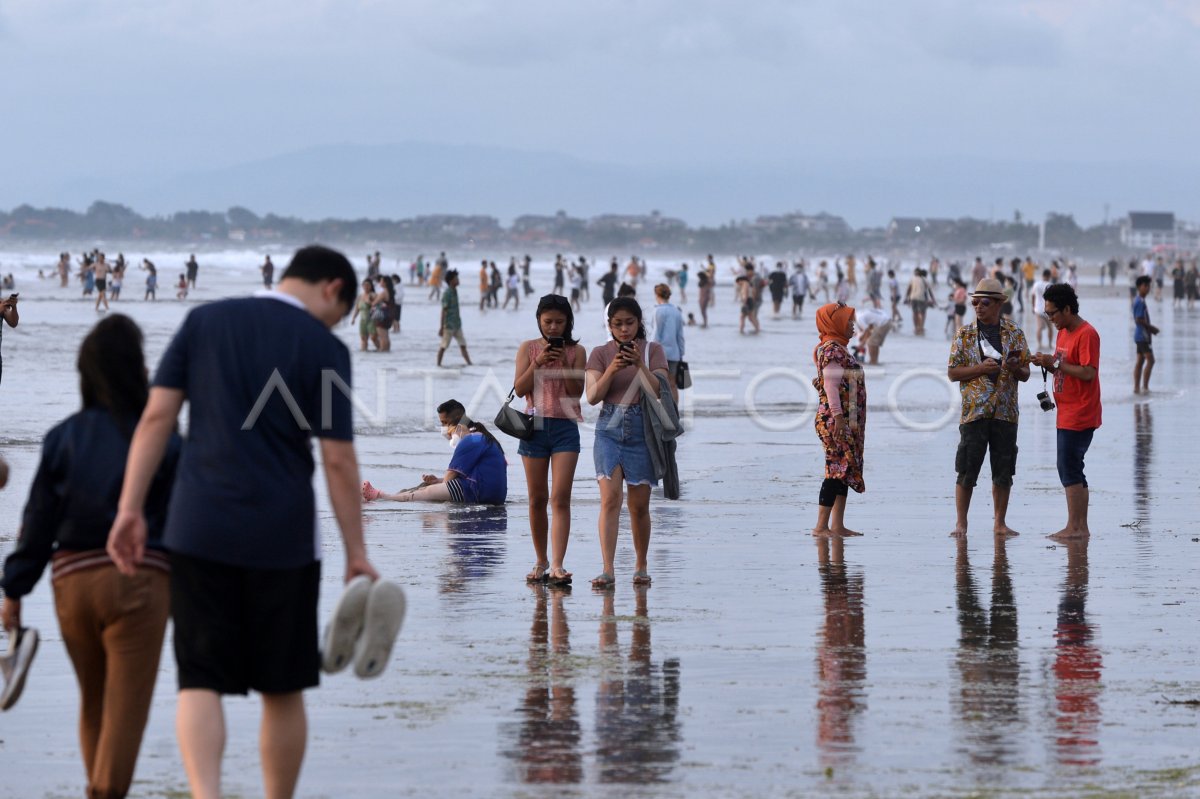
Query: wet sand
[{"x": 760, "y": 662}]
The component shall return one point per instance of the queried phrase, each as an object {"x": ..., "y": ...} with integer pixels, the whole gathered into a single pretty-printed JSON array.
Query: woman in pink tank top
[{"x": 549, "y": 375}]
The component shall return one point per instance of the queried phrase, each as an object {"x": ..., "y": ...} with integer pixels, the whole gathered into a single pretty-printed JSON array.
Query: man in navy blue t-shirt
[
  {"x": 262, "y": 376},
  {"x": 1143, "y": 335}
]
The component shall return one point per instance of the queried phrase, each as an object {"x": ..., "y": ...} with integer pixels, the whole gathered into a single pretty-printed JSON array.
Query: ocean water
[{"x": 761, "y": 662}]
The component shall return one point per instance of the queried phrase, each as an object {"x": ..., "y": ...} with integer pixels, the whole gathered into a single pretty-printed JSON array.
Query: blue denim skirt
[{"x": 621, "y": 441}]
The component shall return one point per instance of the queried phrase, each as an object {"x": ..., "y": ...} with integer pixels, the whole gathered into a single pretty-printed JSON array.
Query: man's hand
[
  {"x": 360, "y": 565},
  {"x": 989, "y": 366},
  {"x": 127, "y": 541}
]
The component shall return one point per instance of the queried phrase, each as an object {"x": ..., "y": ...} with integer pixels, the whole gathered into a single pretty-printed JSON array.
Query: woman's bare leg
[
  {"x": 562, "y": 465},
  {"x": 639, "y": 522}
]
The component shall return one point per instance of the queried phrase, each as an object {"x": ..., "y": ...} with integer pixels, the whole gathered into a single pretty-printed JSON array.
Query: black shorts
[
  {"x": 101, "y": 283},
  {"x": 239, "y": 629},
  {"x": 1143, "y": 348},
  {"x": 982, "y": 437},
  {"x": 798, "y": 299}
]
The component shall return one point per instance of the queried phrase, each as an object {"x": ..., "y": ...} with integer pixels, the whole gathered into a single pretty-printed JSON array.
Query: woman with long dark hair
[
  {"x": 549, "y": 375},
  {"x": 112, "y": 625},
  {"x": 617, "y": 374}
]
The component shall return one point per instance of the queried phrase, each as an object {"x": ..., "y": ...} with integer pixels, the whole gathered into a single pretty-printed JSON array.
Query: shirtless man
[{"x": 101, "y": 270}]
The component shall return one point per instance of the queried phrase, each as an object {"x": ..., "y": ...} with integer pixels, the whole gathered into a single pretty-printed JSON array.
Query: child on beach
[{"x": 181, "y": 288}]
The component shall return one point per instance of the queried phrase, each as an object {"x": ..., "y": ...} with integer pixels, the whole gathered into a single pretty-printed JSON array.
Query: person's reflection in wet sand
[
  {"x": 988, "y": 660},
  {"x": 841, "y": 655},
  {"x": 1143, "y": 459},
  {"x": 637, "y": 703},
  {"x": 548, "y": 736},
  {"x": 1077, "y": 667},
  {"x": 477, "y": 537}
]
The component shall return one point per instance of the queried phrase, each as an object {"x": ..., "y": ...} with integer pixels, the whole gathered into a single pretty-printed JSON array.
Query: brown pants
[{"x": 113, "y": 628}]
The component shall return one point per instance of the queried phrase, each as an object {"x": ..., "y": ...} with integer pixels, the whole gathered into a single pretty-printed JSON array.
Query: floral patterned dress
[{"x": 843, "y": 454}]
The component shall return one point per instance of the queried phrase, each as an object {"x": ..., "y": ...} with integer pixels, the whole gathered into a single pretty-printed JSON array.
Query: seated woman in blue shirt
[{"x": 477, "y": 474}]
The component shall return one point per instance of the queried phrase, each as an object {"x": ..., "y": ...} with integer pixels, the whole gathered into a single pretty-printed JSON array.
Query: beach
[{"x": 761, "y": 662}]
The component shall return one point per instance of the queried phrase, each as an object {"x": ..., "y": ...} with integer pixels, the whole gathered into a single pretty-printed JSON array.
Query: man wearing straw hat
[{"x": 987, "y": 360}]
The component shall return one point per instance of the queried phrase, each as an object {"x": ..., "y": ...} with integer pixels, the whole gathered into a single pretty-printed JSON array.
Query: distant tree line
[{"x": 796, "y": 232}]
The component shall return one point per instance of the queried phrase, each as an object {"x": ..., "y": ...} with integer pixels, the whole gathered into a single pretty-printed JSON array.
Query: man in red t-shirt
[{"x": 1076, "y": 367}]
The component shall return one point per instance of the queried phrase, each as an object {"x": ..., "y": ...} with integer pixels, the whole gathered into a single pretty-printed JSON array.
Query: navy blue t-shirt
[{"x": 261, "y": 378}]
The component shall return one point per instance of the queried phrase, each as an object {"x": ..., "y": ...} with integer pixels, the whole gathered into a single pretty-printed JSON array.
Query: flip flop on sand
[
  {"x": 641, "y": 577},
  {"x": 558, "y": 577},
  {"x": 603, "y": 580},
  {"x": 538, "y": 573},
  {"x": 385, "y": 614},
  {"x": 346, "y": 625},
  {"x": 14, "y": 666}
]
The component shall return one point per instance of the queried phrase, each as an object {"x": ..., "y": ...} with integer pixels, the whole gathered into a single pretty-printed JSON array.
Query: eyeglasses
[
  {"x": 1051, "y": 314},
  {"x": 981, "y": 303}
]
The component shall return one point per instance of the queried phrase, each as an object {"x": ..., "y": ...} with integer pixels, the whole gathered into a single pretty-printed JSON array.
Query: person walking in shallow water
[
  {"x": 450, "y": 327},
  {"x": 550, "y": 376},
  {"x": 841, "y": 419},
  {"x": 988, "y": 360},
  {"x": 112, "y": 625}
]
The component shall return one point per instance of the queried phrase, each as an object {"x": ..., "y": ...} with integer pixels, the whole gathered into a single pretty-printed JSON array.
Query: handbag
[
  {"x": 513, "y": 422},
  {"x": 683, "y": 376}
]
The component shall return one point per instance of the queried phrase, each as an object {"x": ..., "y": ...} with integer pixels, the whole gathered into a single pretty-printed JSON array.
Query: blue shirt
[
  {"x": 262, "y": 376},
  {"x": 1140, "y": 334},
  {"x": 479, "y": 460},
  {"x": 668, "y": 330}
]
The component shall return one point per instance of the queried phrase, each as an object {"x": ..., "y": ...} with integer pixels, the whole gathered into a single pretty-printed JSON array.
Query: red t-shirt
[{"x": 1078, "y": 400}]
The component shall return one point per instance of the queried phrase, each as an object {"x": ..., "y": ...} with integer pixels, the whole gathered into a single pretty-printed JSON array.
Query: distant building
[
  {"x": 800, "y": 222},
  {"x": 1146, "y": 230},
  {"x": 911, "y": 228}
]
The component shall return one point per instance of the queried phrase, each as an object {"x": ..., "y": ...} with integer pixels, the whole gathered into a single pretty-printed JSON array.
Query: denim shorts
[
  {"x": 1072, "y": 446},
  {"x": 550, "y": 435},
  {"x": 621, "y": 441}
]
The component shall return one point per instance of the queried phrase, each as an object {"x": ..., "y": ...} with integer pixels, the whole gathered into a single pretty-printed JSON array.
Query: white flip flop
[
  {"x": 14, "y": 666},
  {"x": 346, "y": 625},
  {"x": 385, "y": 614}
]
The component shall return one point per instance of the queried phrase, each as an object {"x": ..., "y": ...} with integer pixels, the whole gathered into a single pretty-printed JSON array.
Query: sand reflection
[{"x": 841, "y": 655}]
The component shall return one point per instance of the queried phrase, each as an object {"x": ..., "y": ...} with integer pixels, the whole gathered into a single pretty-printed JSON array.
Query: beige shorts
[
  {"x": 455, "y": 335},
  {"x": 880, "y": 334}
]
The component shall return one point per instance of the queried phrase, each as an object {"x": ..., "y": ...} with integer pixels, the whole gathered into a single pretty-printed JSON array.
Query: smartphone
[
  {"x": 625, "y": 346},
  {"x": 13, "y": 296},
  {"x": 557, "y": 342}
]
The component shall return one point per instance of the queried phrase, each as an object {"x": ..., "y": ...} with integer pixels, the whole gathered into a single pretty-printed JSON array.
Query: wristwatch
[{"x": 1057, "y": 363}]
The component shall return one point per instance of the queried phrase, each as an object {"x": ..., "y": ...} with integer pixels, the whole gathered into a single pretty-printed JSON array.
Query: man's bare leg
[
  {"x": 1137, "y": 373},
  {"x": 441, "y": 352},
  {"x": 1000, "y": 503},
  {"x": 962, "y": 504},
  {"x": 1077, "y": 513},
  {"x": 281, "y": 741},
  {"x": 200, "y": 728},
  {"x": 1146, "y": 373},
  {"x": 466, "y": 357}
]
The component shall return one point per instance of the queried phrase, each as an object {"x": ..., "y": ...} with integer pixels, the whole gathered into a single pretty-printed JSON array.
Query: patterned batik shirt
[{"x": 982, "y": 398}]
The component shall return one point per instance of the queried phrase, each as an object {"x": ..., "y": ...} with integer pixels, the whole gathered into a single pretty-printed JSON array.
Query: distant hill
[{"x": 414, "y": 178}]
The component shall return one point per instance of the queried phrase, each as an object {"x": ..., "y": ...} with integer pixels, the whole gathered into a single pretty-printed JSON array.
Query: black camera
[{"x": 1044, "y": 401}]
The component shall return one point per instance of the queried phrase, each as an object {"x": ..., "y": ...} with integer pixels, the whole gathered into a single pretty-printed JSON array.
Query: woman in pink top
[
  {"x": 617, "y": 374},
  {"x": 549, "y": 375}
]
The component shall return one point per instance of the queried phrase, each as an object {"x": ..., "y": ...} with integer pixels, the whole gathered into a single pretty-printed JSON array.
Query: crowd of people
[{"x": 121, "y": 507}]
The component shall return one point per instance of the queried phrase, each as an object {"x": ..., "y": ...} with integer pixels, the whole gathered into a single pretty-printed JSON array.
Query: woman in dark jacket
[{"x": 112, "y": 625}]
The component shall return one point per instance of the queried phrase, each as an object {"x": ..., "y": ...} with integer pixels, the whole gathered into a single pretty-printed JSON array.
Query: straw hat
[{"x": 989, "y": 287}]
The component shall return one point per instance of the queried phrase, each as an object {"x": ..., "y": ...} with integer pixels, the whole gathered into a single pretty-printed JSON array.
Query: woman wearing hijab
[{"x": 841, "y": 417}]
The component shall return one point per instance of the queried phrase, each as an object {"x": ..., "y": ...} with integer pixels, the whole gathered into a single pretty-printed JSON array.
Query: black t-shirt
[
  {"x": 990, "y": 333},
  {"x": 261, "y": 376},
  {"x": 778, "y": 282}
]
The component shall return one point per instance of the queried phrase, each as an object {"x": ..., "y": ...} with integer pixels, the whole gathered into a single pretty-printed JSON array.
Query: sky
[{"x": 98, "y": 89}]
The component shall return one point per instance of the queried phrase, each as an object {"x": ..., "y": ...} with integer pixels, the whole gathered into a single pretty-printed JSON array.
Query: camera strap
[{"x": 1045, "y": 387}]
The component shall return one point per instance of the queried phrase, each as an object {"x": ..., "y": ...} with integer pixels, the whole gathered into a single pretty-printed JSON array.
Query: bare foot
[
  {"x": 959, "y": 531},
  {"x": 370, "y": 492},
  {"x": 1069, "y": 535},
  {"x": 1005, "y": 530},
  {"x": 821, "y": 532},
  {"x": 844, "y": 532}
]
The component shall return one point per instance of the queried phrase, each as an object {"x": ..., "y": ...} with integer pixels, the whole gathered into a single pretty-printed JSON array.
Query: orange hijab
[{"x": 831, "y": 322}]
